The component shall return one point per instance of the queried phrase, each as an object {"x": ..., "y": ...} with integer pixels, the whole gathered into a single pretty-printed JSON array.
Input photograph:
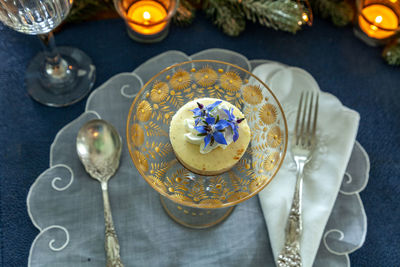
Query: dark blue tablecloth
[{"x": 340, "y": 62}]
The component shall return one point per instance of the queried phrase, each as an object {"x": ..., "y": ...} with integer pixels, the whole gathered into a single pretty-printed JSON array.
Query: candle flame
[
  {"x": 146, "y": 15},
  {"x": 305, "y": 17},
  {"x": 378, "y": 19}
]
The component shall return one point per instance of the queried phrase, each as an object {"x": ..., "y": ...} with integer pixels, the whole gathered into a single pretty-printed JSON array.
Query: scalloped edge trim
[
  {"x": 63, "y": 129},
  {"x": 34, "y": 185},
  {"x": 222, "y": 50},
  {"x": 364, "y": 152},
  {"x": 51, "y": 241},
  {"x": 362, "y": 240},
  {"x": 104, "y": 85},
  {"x": 161, "y": 55},
  {"x": 365, "y": 218},
  {"x": 51, "y": 166}
]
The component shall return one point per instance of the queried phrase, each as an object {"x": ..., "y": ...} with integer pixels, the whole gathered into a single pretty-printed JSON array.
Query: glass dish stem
[{"x": 56, "y": 70}]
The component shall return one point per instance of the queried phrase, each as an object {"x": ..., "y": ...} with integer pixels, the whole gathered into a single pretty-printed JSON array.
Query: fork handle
[
  {"x": 111, "y": 241},
  {"x": 290, "y": 254}
]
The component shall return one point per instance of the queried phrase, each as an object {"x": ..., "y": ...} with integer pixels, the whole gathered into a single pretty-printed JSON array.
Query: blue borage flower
[
  {"x": 233, "y": 123},
  {"x": 212, "y": 131},
  {"x": 203, "y": 112},
  {"x": 212, "y": 128}
]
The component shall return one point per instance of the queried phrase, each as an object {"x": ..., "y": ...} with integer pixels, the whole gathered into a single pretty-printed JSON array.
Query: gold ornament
[
  {"x": 180, "y": 80},
  {"x": 159, "y": 91},
  {"x": 231, "y": 81},
  {"x": 268, "y": 113},
  {"x": 274, "y": 137},
  {"x": 252, "y": 94},
  {"x": 143, "y": 164},
  {"x": 270, "y": 162},
  {"x": 237, "y": 196},
  {"x": 137, "y": 135},
  {"x": 206, "y": 77},
  {"x": 211, "y": 202},
  {"x": 144, "y": 111},
  {"x": 257, "y": 183}
]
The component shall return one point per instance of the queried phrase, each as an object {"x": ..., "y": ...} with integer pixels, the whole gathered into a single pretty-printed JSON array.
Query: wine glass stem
[{"x": 56, "y": 69}]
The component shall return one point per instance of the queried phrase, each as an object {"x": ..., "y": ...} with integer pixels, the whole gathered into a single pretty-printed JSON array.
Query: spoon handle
[{"x": 111, "y": 240}]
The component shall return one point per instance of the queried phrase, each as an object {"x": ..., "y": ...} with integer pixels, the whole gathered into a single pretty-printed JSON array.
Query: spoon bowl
[{"x": 99, "y": 148}]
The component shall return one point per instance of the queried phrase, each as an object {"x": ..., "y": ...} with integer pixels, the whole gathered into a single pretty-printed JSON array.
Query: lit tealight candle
[
  {"x": 385, "y": 21},
  {"x": 146, "y": 14}
]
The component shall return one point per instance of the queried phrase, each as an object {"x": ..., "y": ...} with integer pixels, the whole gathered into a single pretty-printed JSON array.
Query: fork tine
[
  {"x": 315, "y": 117},
  {"x": 308, "y": 131},
  {"x": 298, "y": 118},
  {"x": 303, "y": 115}
]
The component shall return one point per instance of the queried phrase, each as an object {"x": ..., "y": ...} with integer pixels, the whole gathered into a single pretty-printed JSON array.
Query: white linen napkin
[{"x": 336, "y": 133}]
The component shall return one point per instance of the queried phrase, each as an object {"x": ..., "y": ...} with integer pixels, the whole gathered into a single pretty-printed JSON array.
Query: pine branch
[
  {"x": 87, "y": 9},
  {"x": 226, "y": 16},
  {"x": 340, "y": 12},
  {"x": 279, "y": 15},
  {"x": 391, "y": 53},
  {"x": 185, "y": 13}
]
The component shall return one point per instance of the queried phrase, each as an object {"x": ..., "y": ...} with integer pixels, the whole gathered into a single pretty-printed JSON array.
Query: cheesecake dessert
[{"x": 209, "y": 135}]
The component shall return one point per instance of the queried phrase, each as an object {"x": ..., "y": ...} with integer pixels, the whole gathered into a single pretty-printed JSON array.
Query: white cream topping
[{"x": 192, "y": 134}]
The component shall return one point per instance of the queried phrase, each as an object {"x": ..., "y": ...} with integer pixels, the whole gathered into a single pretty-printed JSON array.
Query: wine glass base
[
  {"x": 196, "y": 218},
  {"x": 65, "y": 91}
]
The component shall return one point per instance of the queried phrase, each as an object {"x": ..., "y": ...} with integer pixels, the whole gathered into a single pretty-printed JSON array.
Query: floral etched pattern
[{"x": 152, "y": 152}]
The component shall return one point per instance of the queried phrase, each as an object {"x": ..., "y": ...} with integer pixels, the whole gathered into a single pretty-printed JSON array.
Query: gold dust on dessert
[
  {"x": 137, "y": 135},
  {"x": 144, "y": 111},
  {"x": 180, "y": 80},
  {"x": 252, "y": 94},
  {"x": 274, "y": 136},
  {"x": 268, "y": 113},
  {"x": 231, "y": 81},
  {"x": 159, "y": 91},
  {"x": 206, "y": 76}
]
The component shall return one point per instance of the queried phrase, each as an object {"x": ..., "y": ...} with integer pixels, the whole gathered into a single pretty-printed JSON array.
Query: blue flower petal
[
  {"x": 219, "y": 137},
  {"x": 196, "y": 112},
  {"x": 196, "y": 121},
  {"x": 213, "y": 105},
  {"x": 222, "y": 124},
  {"x": 210, "y": 120},
  {"x": 207, "y": 140},
  {"x": 200, "y": 129},
  {"x": 227, "y": 112}
]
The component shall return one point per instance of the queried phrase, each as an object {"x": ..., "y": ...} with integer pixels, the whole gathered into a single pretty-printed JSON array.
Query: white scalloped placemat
[{"x": 66, "y": 205}]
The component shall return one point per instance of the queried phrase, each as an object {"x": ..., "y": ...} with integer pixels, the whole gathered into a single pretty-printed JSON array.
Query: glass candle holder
[
  {"x": 377, "y": 21},
  {"x": 147, "y": 20}
]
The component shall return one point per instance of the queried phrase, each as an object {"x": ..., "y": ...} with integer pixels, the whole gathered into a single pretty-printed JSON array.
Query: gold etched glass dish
[{"x": 194, "y": 200}]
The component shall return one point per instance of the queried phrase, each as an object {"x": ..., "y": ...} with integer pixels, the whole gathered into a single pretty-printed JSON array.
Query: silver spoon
[{"x": 99, "y": 148}]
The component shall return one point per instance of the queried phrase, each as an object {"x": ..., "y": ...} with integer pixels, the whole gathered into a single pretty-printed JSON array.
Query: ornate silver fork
[{"x": 303, "y": 144}]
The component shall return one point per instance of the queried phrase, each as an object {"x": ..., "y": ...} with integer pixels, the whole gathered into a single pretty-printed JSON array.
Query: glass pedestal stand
[{"x": 197, "y": 218}]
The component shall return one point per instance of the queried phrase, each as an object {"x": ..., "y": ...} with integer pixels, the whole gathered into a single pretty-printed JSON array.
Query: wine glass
[{"x": 58, "y": 76}]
